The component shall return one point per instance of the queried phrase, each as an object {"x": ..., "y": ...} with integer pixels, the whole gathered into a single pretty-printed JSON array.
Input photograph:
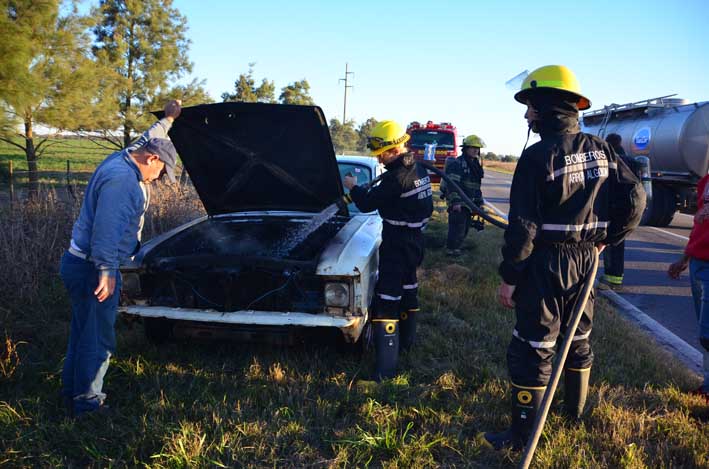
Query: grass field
[
  {"x": 83, "y": 154},
  {"x": 239, "y": 405},
  {"x": 500, "y": 166}
]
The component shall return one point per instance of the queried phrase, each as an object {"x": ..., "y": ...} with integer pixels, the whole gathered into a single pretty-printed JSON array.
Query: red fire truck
[{"x": 433, "y": 142}]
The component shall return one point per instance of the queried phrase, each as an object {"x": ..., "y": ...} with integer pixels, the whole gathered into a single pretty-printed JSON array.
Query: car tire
[
  {"x": 158, "y": 330},
  {"x": 363, "y": 345}
]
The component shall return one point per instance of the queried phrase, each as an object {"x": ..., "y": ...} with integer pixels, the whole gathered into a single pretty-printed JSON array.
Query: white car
[{"x": 260, "y": 262}]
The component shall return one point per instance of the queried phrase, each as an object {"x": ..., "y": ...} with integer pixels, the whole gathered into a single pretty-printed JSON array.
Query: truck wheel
[
  {"x": 158, "y": 330},
  {"x": 664, "y": 206}
]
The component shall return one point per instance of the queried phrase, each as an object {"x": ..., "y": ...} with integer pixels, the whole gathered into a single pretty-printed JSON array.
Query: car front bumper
[{"x": 351, "y": 327}]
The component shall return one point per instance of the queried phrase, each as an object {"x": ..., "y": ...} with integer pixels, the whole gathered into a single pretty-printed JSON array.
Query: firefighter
[
  {"x": 403, "y": 198},
  {"x": 570, "y": 197},
  {"x": 614, "y": 256},
  {"x": 468, "y": 173}
]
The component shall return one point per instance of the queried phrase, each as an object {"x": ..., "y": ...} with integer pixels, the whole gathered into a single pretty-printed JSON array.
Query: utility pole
[{"x": 346, "y": 80}]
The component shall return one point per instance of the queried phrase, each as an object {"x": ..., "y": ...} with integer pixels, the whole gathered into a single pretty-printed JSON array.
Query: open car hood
[{"x": 256, "y": 156}]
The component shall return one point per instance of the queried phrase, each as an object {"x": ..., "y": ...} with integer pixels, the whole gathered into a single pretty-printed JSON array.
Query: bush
[{"x": 32, "y": 237}]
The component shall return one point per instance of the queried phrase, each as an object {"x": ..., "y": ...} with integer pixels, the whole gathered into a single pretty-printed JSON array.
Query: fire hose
[{"x": 500, "y": 220}]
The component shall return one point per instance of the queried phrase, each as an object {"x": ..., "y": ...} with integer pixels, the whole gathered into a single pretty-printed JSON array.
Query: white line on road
[
  {"x": 681, "y": 349},
  {"x": 668, "y": 233}
]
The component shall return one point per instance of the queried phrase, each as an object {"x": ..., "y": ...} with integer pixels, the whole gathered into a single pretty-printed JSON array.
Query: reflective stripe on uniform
[
  {"x": 614, "y": 279},
  {"x": 425, "y": 187},
  {"x": 578, "y": 370},
  {"x": 585, "y": 226},
  {"x": 535, "y": 388},
  {"x": 388, "y": 297},
  {"x": 580, "y": 167},
  {"x": 533, "y": 343},
  {"x": 582, "y": 336},
  {"x": 417, "y": 224},
  {"x": 411, "y": 287}
]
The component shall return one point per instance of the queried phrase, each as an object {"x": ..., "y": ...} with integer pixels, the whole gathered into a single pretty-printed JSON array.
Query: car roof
[{"x": 370, "y": 161}]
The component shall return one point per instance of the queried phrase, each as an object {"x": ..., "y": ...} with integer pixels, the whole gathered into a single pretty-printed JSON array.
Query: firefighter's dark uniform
[
  {"x": 468, "y": 174},
  {"x": 614, "y": 256},
  {"x": 404, "y": 201},
  {"x": 569, "y": 193}
]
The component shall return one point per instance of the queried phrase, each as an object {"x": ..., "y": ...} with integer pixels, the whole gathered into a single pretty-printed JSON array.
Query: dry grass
[
  {"x": 9, "y": 358},
  {"x": 33, "y": 236},
  {"x": 500, "y": 166}
]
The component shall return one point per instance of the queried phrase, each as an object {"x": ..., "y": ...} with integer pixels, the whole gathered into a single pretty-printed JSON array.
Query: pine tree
[
  {"x": 296, "y": 93},
  {"x": 140, "y": 47},
  {"x": 45, "y": 78}
]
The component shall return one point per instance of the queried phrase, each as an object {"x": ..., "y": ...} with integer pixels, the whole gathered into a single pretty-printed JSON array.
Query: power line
[{"x": 346, "y": 80}]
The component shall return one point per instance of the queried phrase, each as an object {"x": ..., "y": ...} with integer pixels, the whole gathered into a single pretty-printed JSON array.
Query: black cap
[{"x": 165, "y": 150}]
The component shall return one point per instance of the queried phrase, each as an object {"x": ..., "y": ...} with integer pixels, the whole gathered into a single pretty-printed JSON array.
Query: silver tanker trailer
[{"x": 674, "y": 135}]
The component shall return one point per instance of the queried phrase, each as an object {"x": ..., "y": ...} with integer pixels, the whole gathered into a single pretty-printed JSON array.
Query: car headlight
[{"x": 337, "y": 294}]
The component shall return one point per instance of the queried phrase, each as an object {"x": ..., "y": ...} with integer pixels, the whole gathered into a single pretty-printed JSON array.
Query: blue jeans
[
  {"x": 699, "y": 279},
  {"x": 92, "y": 339}
]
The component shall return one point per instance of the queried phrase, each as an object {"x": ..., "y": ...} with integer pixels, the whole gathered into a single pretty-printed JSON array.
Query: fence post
[
  {"x": 12, "y": 186},
  {"x": 69, "y": 187}
]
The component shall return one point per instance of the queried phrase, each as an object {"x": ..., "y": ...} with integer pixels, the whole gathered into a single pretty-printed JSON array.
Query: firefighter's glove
[{"x": 477, "y": 223}]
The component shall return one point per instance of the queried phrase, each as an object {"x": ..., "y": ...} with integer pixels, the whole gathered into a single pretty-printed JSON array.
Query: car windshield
[
  {"x": 361, "y": 172},
  {"x": 442, "y": 139}
]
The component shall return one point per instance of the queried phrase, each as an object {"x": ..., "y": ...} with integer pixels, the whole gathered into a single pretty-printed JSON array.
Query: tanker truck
[{"x": 673, "y": 135}]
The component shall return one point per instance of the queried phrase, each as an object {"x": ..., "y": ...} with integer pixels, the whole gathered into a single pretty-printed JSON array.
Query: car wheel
[
  {"x": 366, "y": 338},
  {"x": 363, "y": 345},
  {"x": 158, "y": 330}
]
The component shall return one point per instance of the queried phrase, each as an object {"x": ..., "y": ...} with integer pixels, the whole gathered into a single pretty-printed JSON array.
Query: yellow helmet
[
  {"x": 386, "y": 135},
  {"x": 556, "y": 77},
  {"x": 473, "y": 141}
]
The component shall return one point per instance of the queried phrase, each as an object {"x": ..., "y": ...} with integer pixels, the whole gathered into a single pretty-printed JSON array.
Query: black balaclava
[{"x": 558, "y": 112}]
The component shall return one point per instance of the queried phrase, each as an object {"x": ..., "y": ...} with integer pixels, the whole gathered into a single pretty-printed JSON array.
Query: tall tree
[
  {"x": 45, "y": 78},
  {"x": 364, "y": 131},
  {"x": 245, "y": 89},
  {"x": 344, "y": 137},
  {"x": 296, "y": 93},
  {"x": 140, "y": 47}
]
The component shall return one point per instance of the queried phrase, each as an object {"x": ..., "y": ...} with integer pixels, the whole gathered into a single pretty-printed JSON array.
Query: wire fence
[{"x": 16, "y": 185}]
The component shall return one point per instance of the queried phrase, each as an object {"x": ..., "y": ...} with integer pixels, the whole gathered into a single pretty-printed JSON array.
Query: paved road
[{"x": 648, "y": 253}]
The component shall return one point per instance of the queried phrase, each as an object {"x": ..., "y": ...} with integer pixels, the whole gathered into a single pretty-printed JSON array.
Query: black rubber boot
[
  {"x": 407, "y": 329},
  {"x": 525, "y": 403},
  {"x": 386, "y": 343},
  {"x": 575, "y": 391}
]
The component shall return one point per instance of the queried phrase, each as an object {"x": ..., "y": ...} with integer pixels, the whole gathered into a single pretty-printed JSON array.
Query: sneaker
[
  {"x": 103, "y": 411},
  {"x": 453, "y": 252}
]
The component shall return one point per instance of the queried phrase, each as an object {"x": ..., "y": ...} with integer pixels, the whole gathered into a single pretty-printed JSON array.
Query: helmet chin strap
[{"x": 529, "y": 131}]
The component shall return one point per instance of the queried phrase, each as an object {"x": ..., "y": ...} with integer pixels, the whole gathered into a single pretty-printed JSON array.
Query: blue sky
[{"x": 449, "y": 60}]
